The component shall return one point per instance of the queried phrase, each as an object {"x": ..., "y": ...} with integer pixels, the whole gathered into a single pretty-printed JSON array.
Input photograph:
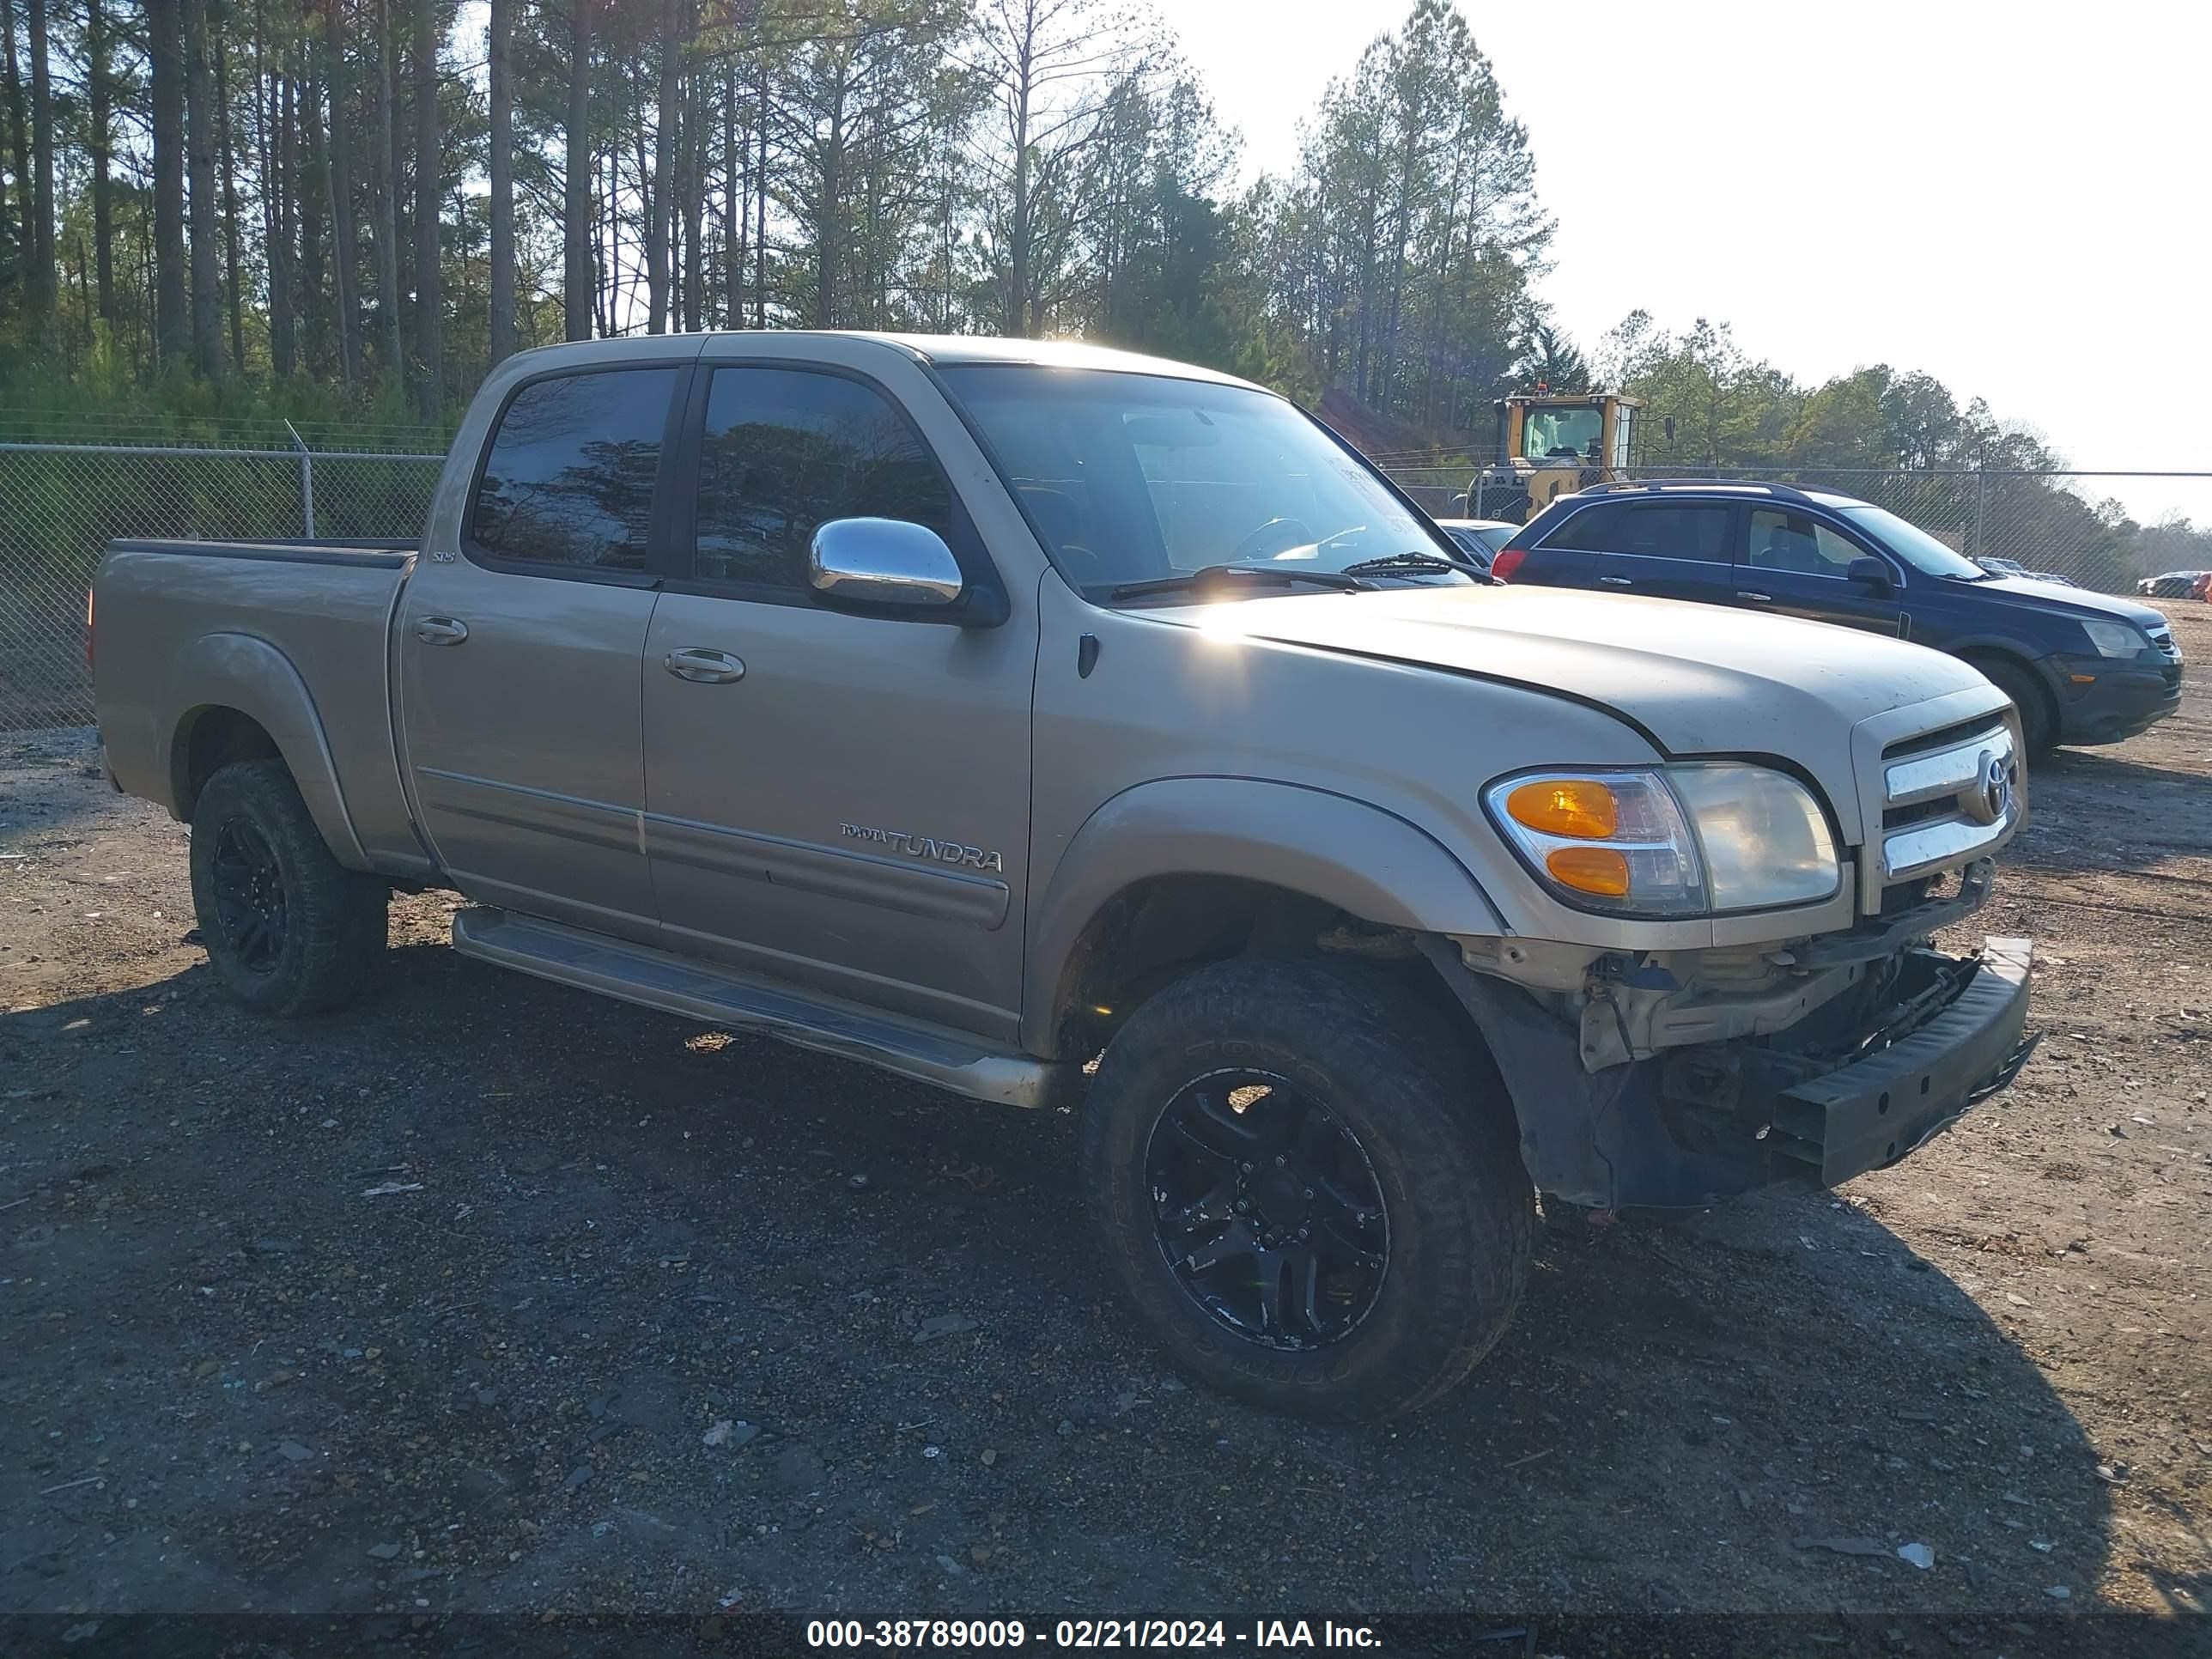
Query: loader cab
[{"x": 1549, "y": 445}]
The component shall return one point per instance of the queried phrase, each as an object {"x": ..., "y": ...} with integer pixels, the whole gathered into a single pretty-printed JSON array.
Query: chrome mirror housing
[{"x": 882, "y": 562}]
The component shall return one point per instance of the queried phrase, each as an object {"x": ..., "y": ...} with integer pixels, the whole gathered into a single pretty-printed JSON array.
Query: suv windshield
[
  {"x": 1913, "y": 544},
  {"x": 1139, "y": 477}
]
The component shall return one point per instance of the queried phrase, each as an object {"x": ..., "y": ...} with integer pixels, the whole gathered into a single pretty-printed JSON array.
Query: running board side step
[{"x": 676, "y": 985}]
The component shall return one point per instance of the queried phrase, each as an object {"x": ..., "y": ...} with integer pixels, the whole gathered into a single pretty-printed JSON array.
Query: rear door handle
[
  {"x": 1615, "y": 581},
  {"x": 1756, "y": 598},
  {"x": 441, "y": 630},
  {"x": 703, "y": 666}
]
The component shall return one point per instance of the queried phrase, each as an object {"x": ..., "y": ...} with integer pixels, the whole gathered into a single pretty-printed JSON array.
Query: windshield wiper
[
  {"x": 1216, "y": 572},
  {"x": 1392, "y": 563}
]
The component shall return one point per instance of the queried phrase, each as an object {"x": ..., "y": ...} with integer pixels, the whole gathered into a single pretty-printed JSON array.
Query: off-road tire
[
  {"x": 334, "y": 920},
  {"x": 1438, "y": 1133},
  {"x": 2038, "y": 728}
]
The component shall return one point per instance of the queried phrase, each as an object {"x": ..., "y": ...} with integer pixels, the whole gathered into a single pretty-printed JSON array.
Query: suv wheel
[
  {"x": 1309, "y": 1186},
  {"x": 288, "y": 929},
  {"x": 2036, "y": 727}
]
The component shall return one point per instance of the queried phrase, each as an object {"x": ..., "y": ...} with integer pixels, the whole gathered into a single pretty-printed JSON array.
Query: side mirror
[
  {"x": 886, "y": 563},
  {"x": 1870, "y": 573}
]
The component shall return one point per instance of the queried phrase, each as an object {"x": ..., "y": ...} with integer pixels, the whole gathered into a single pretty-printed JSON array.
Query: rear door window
[
  {"x": 1660, "y": 529},
  {"x": 569, "y": 479}
]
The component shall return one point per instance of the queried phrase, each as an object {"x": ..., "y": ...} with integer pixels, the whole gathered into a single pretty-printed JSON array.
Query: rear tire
[
  {"x": 288, "y": 929},
  {"x": 2038, "y": 728},
  {"x": 1417, "y": 1228}
]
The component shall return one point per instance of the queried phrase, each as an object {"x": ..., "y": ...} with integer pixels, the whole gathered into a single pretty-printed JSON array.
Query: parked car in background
[
  {"x": 1063, "y": 727},
  {"x": 2172, "y": 585},
  {"x": 2014, "y": 568},
  {"x": 2081, "y": 667},
  {"x": 1479, "y": 538}
]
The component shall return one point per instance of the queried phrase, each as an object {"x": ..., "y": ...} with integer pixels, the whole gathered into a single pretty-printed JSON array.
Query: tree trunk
[
  {"x": 734, "y": 207},
  {"x": 40, "y": 291},
  {"x": 165, "y": 19},
  {"x": 1018, "y": 283},
  {"x": 18, "y": 145},
  {"x": 200, "y": 140},
  {"x": 579, "y": 285},
  {"x": 693, "y": 191},
  {"x": 101, "y": 95},
  {"x": 429, "y": 170},
  {"x": 660, "y": 195},
  {"x": 230, "y": 204},
  {"x": 760, "y": 208},
  {"x": 388, "y": 198},
  {"x": 338, "y": 185},
  {"x": 500, "y": 41},
  {"x": 303, "y": 100}
]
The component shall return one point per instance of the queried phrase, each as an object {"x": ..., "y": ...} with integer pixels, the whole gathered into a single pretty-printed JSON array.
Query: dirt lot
[{"x": 494, "y": 1295}]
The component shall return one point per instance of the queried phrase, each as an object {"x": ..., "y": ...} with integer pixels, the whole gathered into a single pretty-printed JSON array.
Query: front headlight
[
  {"x": 2115, "y": 639},
  {"x": 1675, "y": 841}
]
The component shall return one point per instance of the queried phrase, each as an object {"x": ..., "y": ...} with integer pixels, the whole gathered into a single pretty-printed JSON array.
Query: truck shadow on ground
[
  {"x": 493, "y": 1295},
  {"x": 2091, "y": 769}
]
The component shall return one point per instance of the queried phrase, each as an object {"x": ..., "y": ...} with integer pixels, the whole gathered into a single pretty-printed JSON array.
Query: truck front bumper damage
[
  {"x": 1620, "y": 1139},
  {"x": 1874, "y": 1112}
]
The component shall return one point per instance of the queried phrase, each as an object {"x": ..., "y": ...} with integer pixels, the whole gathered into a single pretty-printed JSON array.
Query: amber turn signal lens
[
  {"x": 1597, "y": 870},
  {"x": 1581, "y": 807}
]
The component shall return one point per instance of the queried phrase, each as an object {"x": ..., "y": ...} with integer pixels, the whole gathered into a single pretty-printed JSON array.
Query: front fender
[
  {"x": 241, "y": 672},
  {"x": 1347, "y": 852}
]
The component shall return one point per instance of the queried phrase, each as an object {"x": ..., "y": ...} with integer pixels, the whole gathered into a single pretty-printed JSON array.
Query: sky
[{"x": 2016, "y": 199}]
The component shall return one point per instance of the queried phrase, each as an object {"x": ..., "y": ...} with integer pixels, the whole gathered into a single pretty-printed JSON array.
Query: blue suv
[{"x": 2081, "y": 667}]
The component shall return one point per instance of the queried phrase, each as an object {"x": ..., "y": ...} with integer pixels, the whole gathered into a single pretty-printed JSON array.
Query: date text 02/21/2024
[{"x": 1085, "y": 1633}]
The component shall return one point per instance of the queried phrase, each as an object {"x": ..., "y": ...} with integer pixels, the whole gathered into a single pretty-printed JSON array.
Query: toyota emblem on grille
[{"x": 1988, "y": 797}]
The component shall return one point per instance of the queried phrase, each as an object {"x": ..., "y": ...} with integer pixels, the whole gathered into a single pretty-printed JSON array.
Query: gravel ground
[{"x": 490, "y": 1295}]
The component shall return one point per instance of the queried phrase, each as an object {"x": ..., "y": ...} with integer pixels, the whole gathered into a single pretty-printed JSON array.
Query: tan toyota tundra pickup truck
[{"x": 1070, "y": 729}]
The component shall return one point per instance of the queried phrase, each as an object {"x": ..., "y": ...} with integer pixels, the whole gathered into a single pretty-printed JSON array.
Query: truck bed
[{"x": 180, "y": 625}]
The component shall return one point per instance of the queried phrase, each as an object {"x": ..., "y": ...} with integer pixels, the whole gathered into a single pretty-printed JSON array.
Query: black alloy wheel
[
  {"x": 288, "y": 929},
  {"x": 1267, "y": 1210},
  {"x": 249, "y": 896}
]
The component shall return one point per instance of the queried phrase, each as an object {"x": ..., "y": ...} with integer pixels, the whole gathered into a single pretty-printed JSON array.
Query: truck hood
[{"x": 1696, "y": 680}]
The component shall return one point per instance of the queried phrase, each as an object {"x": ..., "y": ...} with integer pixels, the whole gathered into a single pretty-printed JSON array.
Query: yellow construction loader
[{"x": 1548, "y": 444}]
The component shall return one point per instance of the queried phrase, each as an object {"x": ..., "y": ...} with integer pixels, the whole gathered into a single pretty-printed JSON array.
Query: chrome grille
[{"x": 1945, "y": 804}]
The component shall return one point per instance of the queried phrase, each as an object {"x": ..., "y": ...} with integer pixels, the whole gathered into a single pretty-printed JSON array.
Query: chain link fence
[
  {"x": 2070, "y": 525},
  {"x": 61, "y": 503}
]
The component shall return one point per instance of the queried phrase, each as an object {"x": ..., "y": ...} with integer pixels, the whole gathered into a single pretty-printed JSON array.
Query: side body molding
[
  {"x": 241, "y": 672},
  {"x": 1353, "y": 855}
]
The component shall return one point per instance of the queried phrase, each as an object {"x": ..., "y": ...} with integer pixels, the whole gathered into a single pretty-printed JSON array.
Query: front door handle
[
  {"x": 441, "y": 630},
  {"x": 1614, "y": 581},
  {"x": 1756, "y": 598},
  {"x": 702, "y": 666}
]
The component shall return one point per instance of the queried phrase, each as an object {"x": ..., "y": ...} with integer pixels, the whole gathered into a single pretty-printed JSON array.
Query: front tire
[
  {"x": 2038, "y": 728},
  {"x": 1309, "y": 1185},
  {"x": 288, "y": 929}
]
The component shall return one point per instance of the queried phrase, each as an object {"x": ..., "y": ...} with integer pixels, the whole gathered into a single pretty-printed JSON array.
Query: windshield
[
  {"x": 1913, "y": 544},
  {"x": 1137, "y": 477},
  {"x": 1561, "y": 432}
]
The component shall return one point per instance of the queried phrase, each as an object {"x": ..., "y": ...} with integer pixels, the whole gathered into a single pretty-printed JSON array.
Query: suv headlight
[
  {"x": 1674, "y": 841},
  {"x": 2115, "y": 639}
]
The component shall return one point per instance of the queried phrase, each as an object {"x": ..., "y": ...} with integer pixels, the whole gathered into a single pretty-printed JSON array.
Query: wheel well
[
  {"x": 1158, "y": 929},
  {"x": 213, "y": 739},
  {"x": 2025, "y": 670}
]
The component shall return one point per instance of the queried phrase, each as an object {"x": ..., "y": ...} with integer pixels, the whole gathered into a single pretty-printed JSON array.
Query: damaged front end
[{"x": 1667, "y": 1079}]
